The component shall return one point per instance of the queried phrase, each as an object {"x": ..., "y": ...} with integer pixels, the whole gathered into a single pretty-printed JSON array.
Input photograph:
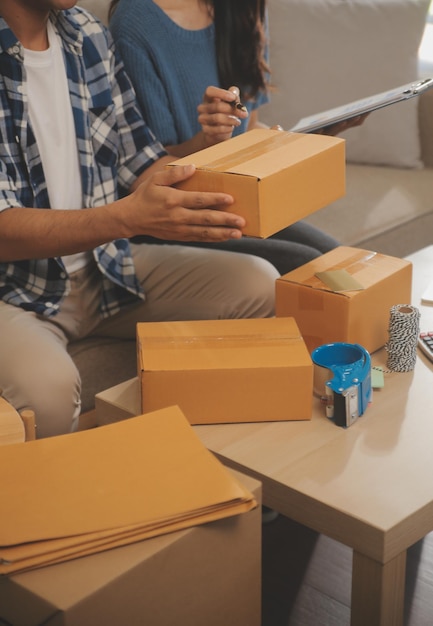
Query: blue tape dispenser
[{"x": 342, "y": 378}]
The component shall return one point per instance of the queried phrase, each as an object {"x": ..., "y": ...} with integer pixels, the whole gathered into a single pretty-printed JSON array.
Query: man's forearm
[{"x": 44, "y": 233}]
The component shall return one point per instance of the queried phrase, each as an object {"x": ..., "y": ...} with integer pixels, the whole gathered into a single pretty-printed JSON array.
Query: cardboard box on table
[
  {"x": 276, "y": 178},
  {"x": 208, "y": 574},
  {"x": 358, "y": 313},
  {"x": 225, "y": 371}
]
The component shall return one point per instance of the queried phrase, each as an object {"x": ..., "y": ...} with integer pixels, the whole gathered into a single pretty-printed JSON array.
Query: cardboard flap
[
  {"x": 365, "y": 266},
  {"x": 259, "y": 153},
  {"x": 248, "y": 344}
]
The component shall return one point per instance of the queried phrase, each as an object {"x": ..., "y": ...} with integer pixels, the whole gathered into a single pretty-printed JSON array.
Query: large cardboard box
[
  {"x": 209, "y": 574},
  {"x": 276, "y": 178},
  {"x": 223, "y": 371},
  {"x": 356, "y": 309}
]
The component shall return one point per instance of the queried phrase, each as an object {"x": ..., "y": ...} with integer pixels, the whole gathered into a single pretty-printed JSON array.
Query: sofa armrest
[{"x": 425, "y": 112}]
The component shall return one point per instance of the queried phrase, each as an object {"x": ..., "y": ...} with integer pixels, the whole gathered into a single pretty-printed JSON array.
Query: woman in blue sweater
[{"x": 183, "y": 58}]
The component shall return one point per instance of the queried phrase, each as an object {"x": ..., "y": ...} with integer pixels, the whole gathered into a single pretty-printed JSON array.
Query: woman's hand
[{"x": 219, "y": 113}]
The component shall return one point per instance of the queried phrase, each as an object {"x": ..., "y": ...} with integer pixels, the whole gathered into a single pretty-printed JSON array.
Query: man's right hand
[{"x": 158, "y": 209}]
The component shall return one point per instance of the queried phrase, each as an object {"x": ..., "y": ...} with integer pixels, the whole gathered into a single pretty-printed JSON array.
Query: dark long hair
[{"x": 240, "y": 41}]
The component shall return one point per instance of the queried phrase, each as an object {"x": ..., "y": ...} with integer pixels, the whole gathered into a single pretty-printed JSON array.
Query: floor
[{"x": 307, "y": 578}]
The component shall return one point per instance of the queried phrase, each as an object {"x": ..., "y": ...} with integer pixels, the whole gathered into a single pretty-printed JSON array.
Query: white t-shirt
[{"x": 51, "y": 117}]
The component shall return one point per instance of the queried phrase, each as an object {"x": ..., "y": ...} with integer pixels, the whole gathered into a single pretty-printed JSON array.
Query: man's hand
[
  {"x": 158, "y": 209},
  {"x": 154, "y": 207}
]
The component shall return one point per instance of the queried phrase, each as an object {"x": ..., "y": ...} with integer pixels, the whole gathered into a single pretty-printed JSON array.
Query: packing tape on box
[
  {"x": 342, "y": 379},
  {"x": 403, "y": 337}
]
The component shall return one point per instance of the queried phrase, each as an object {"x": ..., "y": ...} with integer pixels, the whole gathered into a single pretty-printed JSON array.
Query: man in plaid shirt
[{"x": 80, "y": 175}]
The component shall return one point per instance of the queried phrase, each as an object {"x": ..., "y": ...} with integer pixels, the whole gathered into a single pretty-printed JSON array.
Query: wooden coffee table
[{"x": 369, "y": 486}]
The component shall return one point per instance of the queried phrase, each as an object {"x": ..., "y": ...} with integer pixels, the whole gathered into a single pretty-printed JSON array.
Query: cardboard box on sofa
[
  {"x": 275, "y": 177},
  {"x": 209, "y": 574},
  {"x": 224, "y": 371},
  {"x": 325, "y": 314}
]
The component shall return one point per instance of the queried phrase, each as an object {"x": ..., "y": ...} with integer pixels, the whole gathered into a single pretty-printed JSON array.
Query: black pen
[{"x": 238, "y": 105}]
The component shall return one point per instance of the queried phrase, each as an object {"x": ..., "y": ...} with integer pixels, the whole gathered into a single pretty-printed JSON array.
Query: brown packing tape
[
  {"x": 213, "y": 342},
  {"x": 226, "y": 334},
  {"x": 230, "y": 162},
  {"x": 354, "y": 264},
  {"x": 262, "y": 328}
]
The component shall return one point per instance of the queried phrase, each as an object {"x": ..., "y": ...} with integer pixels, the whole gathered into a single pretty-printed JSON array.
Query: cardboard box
[
  {"x": 360, "y": 312},
  {"x": 208, "y": 574},
  {"x": 276, "y": 178},
  {"x": 224, "y": 371},
  {"x": 118, "y": 402}
]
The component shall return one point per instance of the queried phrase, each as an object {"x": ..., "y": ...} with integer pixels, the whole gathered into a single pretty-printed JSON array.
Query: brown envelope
[{"x": 92, "y": 490}]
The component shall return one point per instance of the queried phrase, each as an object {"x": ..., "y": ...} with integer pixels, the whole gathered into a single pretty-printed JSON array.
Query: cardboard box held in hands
[{"x": 276, "y": 178}]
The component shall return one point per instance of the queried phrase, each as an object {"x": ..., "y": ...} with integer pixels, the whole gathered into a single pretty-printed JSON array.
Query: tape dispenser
[{"x": 342, "y": 379}]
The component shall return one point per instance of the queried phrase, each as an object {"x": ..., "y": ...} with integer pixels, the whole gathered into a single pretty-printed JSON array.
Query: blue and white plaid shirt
[{"x": 114, "y": 144}]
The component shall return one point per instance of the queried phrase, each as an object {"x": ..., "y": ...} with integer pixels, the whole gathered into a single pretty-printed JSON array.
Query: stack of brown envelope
[{"x": 78, "y": 494}]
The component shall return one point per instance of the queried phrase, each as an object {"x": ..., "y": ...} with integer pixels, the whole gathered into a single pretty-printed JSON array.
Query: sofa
[{"x": 325, "y": 53}]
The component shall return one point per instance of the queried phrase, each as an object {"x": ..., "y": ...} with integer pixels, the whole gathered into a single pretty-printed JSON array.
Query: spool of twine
[{"x": 403, "y": 337}]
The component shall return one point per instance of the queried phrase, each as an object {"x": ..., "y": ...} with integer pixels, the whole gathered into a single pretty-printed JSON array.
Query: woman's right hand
[{"x": 219, "y": 113}]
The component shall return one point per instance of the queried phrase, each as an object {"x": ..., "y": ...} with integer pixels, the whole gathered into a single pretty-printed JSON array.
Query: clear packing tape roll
[{"x": 403, "y": 337}]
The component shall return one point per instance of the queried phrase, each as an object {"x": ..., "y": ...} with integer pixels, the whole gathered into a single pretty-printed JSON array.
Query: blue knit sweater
[{"x": 169, "y": 66}]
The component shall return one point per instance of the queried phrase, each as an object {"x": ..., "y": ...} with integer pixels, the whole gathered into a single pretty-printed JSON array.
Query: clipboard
[{"x": 365, "y": 105}]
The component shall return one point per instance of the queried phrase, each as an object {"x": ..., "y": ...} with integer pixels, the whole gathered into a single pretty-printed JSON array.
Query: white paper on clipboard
[{"x": 365, "y": 105}]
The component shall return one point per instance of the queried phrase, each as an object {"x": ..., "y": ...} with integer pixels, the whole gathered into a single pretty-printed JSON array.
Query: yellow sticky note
[
  {"x": 377, "y": 378},
  {"x": 339, "y": 280}
]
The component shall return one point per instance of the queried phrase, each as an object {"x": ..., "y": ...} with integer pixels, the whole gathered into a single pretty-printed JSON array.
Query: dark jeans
[{"x": 286, "y": 250}]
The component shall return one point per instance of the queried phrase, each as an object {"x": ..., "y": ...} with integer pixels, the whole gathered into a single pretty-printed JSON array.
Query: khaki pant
[{"x": 180, "y": 283}]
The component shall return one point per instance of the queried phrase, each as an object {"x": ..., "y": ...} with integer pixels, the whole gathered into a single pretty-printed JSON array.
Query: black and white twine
[{"x": 403, "y": 337}]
